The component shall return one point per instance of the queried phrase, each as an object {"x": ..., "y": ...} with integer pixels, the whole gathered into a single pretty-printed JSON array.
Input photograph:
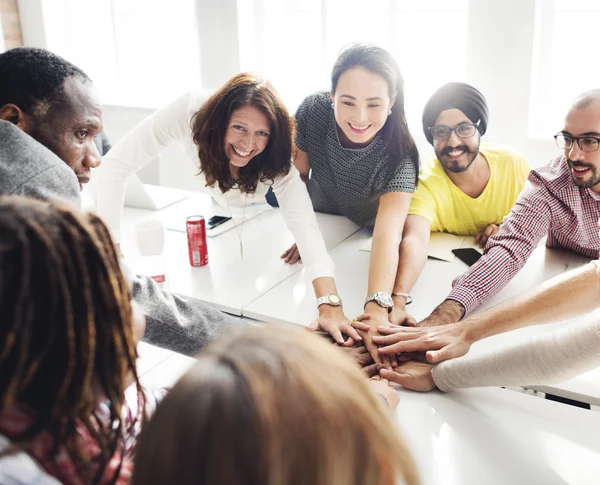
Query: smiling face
[
  {"x": 247, "y": 135},
  {"x": 456, "y": 154},
  {"x": 361, "y": 105},
  {"x": 585, "y": 166},
  {"x": 68, "y": 127}
]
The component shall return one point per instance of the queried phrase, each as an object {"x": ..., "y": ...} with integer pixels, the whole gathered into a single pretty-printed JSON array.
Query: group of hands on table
[
  {"x": 390, "y": 347},
  {"x": 393, "y": 349}
]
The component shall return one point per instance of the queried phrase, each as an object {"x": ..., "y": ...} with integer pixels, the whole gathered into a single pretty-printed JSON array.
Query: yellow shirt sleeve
[{"x": 423, "y": 204}]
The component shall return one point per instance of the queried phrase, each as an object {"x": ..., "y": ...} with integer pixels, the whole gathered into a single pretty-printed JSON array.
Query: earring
[
  {"x": 390, "y": 112},
  {"x": 332, "y": 105}
]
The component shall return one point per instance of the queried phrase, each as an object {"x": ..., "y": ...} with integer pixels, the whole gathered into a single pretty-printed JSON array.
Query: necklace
[{"x": 239, "y": 233}]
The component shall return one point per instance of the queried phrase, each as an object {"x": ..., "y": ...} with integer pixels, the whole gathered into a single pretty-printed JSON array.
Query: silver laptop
[{"x": 151, "y": 197}]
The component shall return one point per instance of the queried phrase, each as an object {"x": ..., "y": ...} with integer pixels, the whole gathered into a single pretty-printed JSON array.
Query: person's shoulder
[
  {"x": 188, "y": 102},
  {"x": 315, "y": 104},
  {"x": 29, "y": 168},
  {"x": 502, "y": 153},
  {"x": 312, "y": 121},
  {"x": 553, "y": 174},
  {"x": 198, "y": 97},
  {"x": 194, "y": 99},
  {"x": 432, "y": 173}
]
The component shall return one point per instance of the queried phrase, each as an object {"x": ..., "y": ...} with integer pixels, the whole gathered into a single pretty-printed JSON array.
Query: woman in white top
[
  {"x": 549, "y": 358},
  {"x": 240, "y": 138}
]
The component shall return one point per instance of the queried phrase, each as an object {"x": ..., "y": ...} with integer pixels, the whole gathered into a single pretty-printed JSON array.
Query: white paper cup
[{"x": 149, "y": 237}]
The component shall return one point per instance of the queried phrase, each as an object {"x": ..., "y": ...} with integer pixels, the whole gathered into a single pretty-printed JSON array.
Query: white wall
[{"x": 499, "y": 59}]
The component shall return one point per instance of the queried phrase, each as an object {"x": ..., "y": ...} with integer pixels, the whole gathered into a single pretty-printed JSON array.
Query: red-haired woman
[{"x": 240, "y": 138}]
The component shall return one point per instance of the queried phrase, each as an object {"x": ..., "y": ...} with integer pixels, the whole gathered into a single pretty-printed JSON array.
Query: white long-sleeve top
[
  {"x": 547, "y": 359},
  {"x": 172, "y": 124}
]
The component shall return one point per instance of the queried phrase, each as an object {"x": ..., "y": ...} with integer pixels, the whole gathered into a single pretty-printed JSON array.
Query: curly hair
[
  {"x": 66, "y": 332},
  {"x": 33, "y": 79},
  {"x": 401, "y": 145},
  {"x": 209, "y": 126}
]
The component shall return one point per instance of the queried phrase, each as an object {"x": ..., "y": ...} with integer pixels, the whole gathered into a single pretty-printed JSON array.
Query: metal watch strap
[{"x": 326, "y": 300}]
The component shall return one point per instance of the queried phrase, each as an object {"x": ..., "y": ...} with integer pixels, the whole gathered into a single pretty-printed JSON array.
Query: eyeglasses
[
  {"x": 586, "y": 143},
  {"x": 463, "y": 130}
]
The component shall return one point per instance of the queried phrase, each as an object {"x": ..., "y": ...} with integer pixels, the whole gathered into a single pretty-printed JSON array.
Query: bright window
[
  {"x": 138, "y": 52},
  {"x": 295, "y": 43},
  {"x": 565, "y": 60}
]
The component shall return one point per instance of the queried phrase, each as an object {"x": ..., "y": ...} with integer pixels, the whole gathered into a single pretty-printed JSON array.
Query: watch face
[
  {"x": 385, "y": 299},
  {"x": 334, "y": 299}
]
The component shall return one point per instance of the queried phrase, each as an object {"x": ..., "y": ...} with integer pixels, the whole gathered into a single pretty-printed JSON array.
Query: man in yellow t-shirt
[{"x": 468, "y": 189}]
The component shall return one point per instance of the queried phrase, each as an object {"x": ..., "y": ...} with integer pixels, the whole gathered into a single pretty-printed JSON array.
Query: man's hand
[
  {"x": 382, "y": 387},
  {"x": 412, "y": 375},
  {"x": 449, "y": 311},
  {"x": 440, "y": 343},
  {"x": 333, "y": 321},
  {"x": 292, "y": 255},
  {"x": 487, "y": 233}
]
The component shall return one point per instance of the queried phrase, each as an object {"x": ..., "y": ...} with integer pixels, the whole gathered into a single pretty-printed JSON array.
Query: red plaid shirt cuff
[{"x": 465, "y": 297}]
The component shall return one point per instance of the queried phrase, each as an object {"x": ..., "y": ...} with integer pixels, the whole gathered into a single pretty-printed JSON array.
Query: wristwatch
[
  {"x": 332, "y": 300},
  {"x": 382, "y": 299}
]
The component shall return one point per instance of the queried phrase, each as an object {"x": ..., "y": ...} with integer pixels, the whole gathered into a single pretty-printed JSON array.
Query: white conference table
[
  {"x": 228, "y": 282},
  {"x": 472, "y": 436},
  {"x": 290, "y": 301},
  {"x": 497, "y": 436}
]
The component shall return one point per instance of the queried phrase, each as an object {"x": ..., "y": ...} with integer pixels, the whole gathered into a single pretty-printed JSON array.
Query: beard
[
  {"x": 585, "y": 183},
  {"x": 453, "y": 165}
]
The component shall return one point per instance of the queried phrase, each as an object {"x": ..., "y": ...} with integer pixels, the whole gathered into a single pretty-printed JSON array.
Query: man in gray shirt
[{"x": 49, "y": 117}]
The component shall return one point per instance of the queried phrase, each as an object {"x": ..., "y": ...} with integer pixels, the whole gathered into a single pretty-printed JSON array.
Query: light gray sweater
[
  {"x": 547, "y": 359},
  {"x": 174, "y": 322},
  {"x": 28, "y": 168}
]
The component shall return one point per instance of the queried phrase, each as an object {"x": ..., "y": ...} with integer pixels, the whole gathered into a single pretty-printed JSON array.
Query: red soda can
[{"x": 195, "y": 227}]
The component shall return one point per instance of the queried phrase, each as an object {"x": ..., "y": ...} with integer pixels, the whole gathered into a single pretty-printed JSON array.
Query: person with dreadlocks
[
  {"x": 68, "y": 338},
  {"x": 49, "y": 117}
]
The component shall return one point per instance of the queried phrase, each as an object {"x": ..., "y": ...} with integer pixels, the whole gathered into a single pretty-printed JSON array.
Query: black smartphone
[
  {"x": 467, "y": 255},
  {"x": 215, "y": 221}
]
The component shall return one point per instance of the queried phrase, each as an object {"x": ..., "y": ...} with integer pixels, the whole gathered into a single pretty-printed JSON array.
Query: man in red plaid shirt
[{"x": 561, "y": 200}]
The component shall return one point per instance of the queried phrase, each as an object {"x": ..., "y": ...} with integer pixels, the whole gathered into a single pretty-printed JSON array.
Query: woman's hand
[
  {"x": 400, "y": 317},
  {"x": 440, "y": 343},
  {"x": 413, "y": 375},
  {"x": 333, "y": 321},
  {"x": 292, "y": 255},
  {"x": 367, "y": 325},
  {"x": 382, "y": 387}
]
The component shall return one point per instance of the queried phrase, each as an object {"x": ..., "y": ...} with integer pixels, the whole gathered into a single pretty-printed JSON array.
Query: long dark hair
[
  {"x": 400, "y": 143},
  {"x": 67, "y": 332},
  {"x": 209, "y": 125}
]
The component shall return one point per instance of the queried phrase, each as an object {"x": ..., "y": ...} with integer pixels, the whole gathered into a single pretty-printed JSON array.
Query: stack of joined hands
[{"x": 402, "y": 354}]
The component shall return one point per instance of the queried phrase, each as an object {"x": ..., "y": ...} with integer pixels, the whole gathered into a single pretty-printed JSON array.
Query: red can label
[{"x": 195, "y": 227}]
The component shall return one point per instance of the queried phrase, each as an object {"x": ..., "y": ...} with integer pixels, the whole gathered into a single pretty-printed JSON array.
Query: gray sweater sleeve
[
  {"x": 179, "y": 323},
  {"x": 28, "y": 168},
  {"x": 52, "y": 184},
  {"x": 547, "y": 359}
]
